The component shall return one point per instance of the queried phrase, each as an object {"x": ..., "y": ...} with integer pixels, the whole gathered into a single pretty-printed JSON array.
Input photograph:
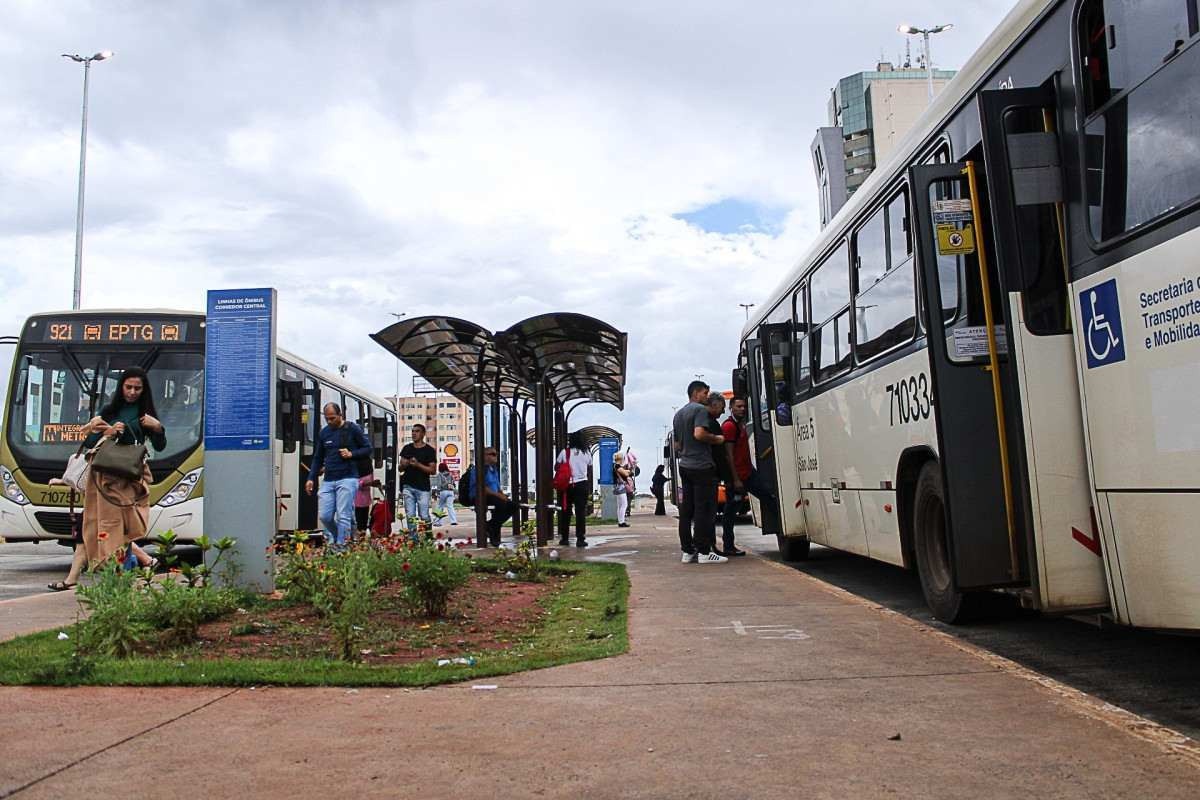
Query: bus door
[
  {"x": 1021, "y": 150},
  {"x": 779, "y": 381},
  {"x": 310, "y": 417},
  {"x": 762, "y": 444},
  {"x": 977, "y": 538},
  {"x": 289, "y": 433}
]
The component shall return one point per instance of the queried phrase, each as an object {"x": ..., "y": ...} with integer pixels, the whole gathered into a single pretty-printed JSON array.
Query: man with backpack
[
  {"x": 745, "y": 477},
  {"x": 339, "y": 445},
  {"x": 502, "y": 508},
  {"x": 418, "y": 461}
]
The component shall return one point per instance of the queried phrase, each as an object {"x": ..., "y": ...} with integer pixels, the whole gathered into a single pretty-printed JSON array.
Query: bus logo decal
[{"x": 1101, "y": 314}]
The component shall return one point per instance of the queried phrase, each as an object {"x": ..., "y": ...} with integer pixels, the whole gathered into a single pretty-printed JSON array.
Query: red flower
[
  {"x": 439, "y": 535},
  {"x": 441, "y": 546},
  {"x": 468, "y": 541},
  {"x": 405, "y": 567}
]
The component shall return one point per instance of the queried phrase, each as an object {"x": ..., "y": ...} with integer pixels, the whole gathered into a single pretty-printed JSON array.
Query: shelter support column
[
  {"x": 481, "y": 532},
  {"x": 545, "y": 499}
]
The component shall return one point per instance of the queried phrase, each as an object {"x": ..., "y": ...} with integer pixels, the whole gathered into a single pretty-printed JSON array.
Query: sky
[{"x": 646, "y": 163}]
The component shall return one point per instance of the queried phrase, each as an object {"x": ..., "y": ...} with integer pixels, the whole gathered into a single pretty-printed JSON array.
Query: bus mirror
[
  {"x": 666, "y": 452},
  {"x": 739, "y": 382}
]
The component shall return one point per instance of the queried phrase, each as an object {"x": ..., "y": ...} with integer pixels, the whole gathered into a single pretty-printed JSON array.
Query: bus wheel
[
  {"x": 792, "y": 548},
  {"x": 933, "y": 550}
]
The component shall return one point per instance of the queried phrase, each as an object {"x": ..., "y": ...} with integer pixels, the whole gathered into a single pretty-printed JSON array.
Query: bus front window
[{"x": 57, "y": 391}]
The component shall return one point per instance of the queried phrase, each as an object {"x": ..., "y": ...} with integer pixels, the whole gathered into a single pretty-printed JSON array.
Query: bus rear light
[{"x": 11, "y": 489}]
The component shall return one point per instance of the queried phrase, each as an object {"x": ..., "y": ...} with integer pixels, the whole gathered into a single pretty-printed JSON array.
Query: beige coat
[{"x": 115, "y": 513}]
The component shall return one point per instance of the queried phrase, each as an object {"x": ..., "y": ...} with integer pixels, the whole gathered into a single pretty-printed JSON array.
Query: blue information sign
[
  {"x": 237, "y": 369},
  {"x": 608, "y": 447}
]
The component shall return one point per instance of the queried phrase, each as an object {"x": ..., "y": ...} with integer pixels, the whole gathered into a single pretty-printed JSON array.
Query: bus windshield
[{"x": 57, "y": 390}]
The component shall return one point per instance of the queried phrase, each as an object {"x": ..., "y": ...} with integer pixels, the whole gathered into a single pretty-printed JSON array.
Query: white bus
[
  {"x": 1032, "y": 430},
  {"x": 66, "y": 366}
]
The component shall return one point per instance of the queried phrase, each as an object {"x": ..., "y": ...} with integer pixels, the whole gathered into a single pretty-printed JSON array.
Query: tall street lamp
[
  {"x": 398, "y": 317},
  {"x": 103, "y": 55},
  {"x": 909, "y": 30},
  {"x": 746, "y": 307}
]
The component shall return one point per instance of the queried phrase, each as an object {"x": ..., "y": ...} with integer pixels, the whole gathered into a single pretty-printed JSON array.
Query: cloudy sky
[{"x": 642, "y": 162}]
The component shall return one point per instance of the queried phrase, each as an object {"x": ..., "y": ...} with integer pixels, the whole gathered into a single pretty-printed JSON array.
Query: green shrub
[
  {"x": 116, "y": 622},
  {"x": 431, "y": 573}
]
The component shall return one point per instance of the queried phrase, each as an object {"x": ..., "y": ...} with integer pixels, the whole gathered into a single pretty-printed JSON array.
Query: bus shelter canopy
[
  {"x": 592, "y": 434},
  {"x": 579, "y": 357}
]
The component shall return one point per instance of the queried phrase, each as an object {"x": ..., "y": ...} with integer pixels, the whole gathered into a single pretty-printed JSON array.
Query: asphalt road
[
  {"x": 26, "y": 568},
  {"x": 1152, "y": 674}
]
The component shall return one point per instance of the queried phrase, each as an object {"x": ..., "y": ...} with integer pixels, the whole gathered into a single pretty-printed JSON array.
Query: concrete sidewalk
[{"x": 744, "y": 679}]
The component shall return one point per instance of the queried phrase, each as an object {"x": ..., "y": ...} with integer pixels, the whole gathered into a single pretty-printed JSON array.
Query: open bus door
[
  {"x": 967, "y": 532},
  {"x": 762, "y": 442},
  {"x": 1023, "y": 157}
]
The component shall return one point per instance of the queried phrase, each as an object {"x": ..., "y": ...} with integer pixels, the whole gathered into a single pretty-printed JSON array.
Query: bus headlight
[
  {"x": 183, "y": 490},
  {"x": 11, "y": 490}
]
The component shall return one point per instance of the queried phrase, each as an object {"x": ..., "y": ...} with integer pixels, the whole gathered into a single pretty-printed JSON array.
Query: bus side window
[
  {"x": 885, "y": 311},
  {"x": 801, "y": 364},
  {"x": 1137, "y": 81}
]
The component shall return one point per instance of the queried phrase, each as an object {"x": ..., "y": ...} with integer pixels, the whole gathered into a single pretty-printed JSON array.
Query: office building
[{"x": 869, "y": 114}]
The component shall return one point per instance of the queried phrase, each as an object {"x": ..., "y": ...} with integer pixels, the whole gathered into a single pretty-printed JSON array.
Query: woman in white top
[
  {"x": 621, "y": 475},
  {"x": 580, "y": 459}
]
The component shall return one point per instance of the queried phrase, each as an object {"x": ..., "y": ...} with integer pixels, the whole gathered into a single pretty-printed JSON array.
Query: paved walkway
[{"x": 744, "y": 679}]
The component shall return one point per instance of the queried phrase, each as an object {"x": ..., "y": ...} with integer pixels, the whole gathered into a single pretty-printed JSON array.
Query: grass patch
[{"x": 597, "y": 630}]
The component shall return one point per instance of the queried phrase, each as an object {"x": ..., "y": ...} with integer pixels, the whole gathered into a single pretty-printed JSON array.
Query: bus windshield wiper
[{"x": 88, "y": 386}]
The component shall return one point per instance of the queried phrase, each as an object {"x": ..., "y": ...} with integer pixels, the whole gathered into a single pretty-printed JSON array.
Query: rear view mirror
[{"x": 740, "y": 383}]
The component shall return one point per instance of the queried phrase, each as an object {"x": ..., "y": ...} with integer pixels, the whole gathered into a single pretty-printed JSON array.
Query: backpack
[
  {"x": 562, "y": 474},
  {"x": 364, "y": 466},
  {"x": 464, "y": 487}
]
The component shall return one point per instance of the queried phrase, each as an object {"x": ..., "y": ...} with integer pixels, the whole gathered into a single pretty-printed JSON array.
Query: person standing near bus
[
  {"x": 419, "y": 462},
  {"x": 116, "y": 509},
  {"x": 697, "y": 473},
  {"x": 339, "y": 445},
  {"x": 745, "y": 477}
]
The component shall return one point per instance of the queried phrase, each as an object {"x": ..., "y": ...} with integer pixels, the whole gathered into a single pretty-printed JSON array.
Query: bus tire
[
  {"x": 792, "y": 548},
  {"x": 933, "y": 549}
]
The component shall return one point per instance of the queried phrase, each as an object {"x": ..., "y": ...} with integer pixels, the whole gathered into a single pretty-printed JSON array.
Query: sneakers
[
  {"x": 710, "y": 558},
  {"x": 688, "y": 558}
]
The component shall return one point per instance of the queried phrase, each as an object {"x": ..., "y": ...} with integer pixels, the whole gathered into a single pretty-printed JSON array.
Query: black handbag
[{"x": 119, "y": 460}]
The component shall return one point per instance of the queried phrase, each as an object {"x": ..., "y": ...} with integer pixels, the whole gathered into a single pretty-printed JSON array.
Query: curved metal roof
[
  {"x": 592, "y": 434},
  {"x": 580, "y": 357},
  {"x": 452, "y": 354}
]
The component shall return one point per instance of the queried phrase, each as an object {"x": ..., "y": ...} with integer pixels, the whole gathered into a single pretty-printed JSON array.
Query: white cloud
[{"x": 489, "y": 161}]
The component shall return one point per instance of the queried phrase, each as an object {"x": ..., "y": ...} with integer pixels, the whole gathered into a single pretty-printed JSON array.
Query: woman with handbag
[
  {"x": 573, "y": 463},
  {"x": 622, "y": 487},
  {"x": 115, "y": 508}
]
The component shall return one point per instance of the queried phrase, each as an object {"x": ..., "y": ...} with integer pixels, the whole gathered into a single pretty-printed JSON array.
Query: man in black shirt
[{"x": 417, "y": 461}]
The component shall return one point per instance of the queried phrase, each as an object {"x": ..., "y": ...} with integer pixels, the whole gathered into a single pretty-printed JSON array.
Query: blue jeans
[
  {"x": 416, "y": 504},
  {"x": 335, "y": 507},
  {"x": 446, "y": 503}
]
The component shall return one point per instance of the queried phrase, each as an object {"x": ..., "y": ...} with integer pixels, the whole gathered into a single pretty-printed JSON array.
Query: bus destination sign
[{"x": 110, "y": 331}]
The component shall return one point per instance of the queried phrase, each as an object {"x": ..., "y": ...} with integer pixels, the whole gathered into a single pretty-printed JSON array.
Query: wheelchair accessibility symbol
[{"x": 1101, "y": 315}]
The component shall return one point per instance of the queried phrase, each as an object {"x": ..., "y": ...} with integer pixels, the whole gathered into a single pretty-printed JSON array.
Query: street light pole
[
  {"x": 925, "y": 34},
  {"x": 87, "y": 68},
  {"x": 398, "y": 317},
  {"x": 746, "y": 307}
]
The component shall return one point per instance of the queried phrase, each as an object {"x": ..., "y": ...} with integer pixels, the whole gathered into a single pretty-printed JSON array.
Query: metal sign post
[{"x": 239, "y": 428}]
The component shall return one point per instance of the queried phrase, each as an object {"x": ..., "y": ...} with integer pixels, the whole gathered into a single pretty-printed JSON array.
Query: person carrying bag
[{"x": 115, "y": 502}]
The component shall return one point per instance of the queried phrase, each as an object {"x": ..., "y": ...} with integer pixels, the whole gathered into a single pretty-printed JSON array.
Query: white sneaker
[
  {"x": 688, "y": 558},
  {"x": 710, "y": 558}
]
